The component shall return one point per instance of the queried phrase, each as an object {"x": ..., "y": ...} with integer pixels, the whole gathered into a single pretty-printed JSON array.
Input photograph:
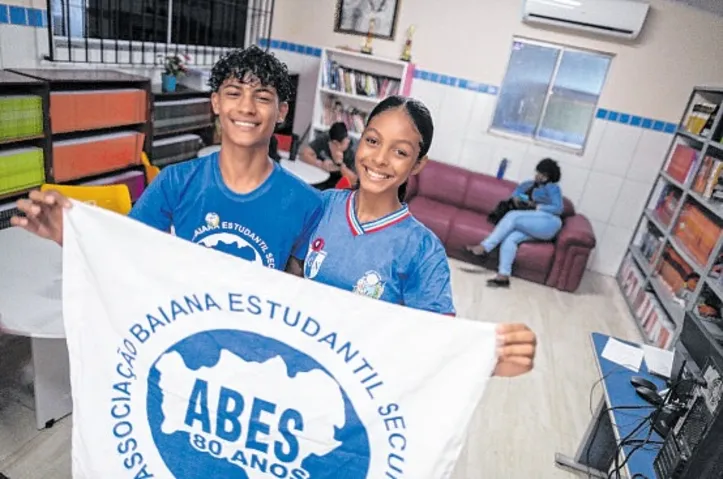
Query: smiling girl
[{"x": 368, "y": 242}]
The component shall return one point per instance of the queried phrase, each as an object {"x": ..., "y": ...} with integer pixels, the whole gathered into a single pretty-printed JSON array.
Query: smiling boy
[{"x": 236, "y": 200}]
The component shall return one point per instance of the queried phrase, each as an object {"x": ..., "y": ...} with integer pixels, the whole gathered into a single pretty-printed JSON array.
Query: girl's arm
[
  {"x": 553, "y": 200},
  {"x": 522, "y": 188}
]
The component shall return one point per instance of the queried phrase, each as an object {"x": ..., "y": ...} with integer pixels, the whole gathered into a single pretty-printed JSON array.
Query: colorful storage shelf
[
  {"x": 98, "y": 121},
  {"x": 84, "y": 110},
  {"x": 21, "y": 116},
  {"x": 94, "y": 155},
  {"x": 21, "y": 169},
  {"x": 176, "y": 148}
]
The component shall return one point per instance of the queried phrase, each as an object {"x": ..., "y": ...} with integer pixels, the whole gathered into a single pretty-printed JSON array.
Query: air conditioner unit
[{"x": 620, "y": 18}]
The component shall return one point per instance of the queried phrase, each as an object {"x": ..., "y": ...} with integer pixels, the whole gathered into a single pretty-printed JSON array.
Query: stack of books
[{"x": 355, "y": 82}]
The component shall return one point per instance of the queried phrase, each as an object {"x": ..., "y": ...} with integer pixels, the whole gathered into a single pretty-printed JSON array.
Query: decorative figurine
[
  {"x": 367, "y": 47},
  {"x": 407, "y": 51}
]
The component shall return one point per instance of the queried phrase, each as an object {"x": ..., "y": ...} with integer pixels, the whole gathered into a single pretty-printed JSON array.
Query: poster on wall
[
  {"x": 356, "y": 17},
  {"x": 187, "y": 363}
]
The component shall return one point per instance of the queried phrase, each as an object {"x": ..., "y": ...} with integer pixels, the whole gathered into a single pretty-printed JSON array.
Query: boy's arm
[{"x": 156, "y": 204}]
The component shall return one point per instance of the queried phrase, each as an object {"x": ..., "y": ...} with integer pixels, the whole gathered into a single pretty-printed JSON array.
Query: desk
[
  {"x": 306, "y": 172},
  {"x": 596, "y": 452},
  {"x": 31, "y": 306}
]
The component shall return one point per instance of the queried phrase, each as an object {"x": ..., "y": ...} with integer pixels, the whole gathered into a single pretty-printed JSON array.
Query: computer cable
[
  {"x": 615, "y": 369},
  {"x": 651, "y": 417},
  {"x": 627, "y": 440}
]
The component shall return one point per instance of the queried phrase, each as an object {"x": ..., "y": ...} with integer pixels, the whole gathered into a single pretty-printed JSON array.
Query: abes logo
[
  {"x": 209, "y": 419},
  {"x": 220, "y": 402}
]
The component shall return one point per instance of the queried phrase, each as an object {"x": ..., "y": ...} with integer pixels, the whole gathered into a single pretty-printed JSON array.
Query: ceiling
[{"x": 713, "y": 6}]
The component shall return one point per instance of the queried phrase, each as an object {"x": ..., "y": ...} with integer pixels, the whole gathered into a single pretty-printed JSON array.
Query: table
[
  {"x": 31, "y": 306},
  {"x": 308, "y": 173},
  {"x": 597, "y": 449}
]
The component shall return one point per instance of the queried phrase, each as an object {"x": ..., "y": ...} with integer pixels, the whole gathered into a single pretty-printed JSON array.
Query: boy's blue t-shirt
[
  {"x": 395, "y": 258},
  {"x": 265, "y": 226}
]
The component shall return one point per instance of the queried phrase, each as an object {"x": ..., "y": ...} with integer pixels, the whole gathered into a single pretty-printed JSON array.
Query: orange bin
[
  {"x": 95, "y": 109},
  {"x": 94, "y": 155}
]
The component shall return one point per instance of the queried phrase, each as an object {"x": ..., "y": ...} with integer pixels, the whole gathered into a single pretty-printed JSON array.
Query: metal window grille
[{"x": 141, "y": 31}]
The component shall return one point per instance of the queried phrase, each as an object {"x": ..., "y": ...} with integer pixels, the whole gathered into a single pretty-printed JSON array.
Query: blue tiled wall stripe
[
  {"x": 633, "y": 120},
  {"x": 442, "y": 79},
  {"x": 25, "y": 16},
  {"x": 291, "y": 47}
]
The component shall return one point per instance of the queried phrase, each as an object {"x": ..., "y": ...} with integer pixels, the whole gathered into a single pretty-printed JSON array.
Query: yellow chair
[
  {"x": 151, "y": 170},
  {"x": 110, "y": 197}
]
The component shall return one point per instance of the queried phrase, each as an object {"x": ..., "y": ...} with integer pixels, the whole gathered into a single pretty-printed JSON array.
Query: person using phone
[{"x": 537, "y": 207}]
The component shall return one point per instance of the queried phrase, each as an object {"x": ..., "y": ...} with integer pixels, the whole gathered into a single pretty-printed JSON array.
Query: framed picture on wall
[{"x": 354, "y": 17}]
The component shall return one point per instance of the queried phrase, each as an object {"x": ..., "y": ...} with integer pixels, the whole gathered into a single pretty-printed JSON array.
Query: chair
[
  {"x": 110, "y": 197},
  {"x": 151, "y": 170}
]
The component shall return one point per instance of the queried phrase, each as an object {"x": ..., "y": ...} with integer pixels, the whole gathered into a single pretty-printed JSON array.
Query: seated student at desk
[{"x": 333, "y": 152}]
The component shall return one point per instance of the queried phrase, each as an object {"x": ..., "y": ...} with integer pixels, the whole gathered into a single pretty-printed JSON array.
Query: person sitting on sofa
[{"x": 535, "y": 215}]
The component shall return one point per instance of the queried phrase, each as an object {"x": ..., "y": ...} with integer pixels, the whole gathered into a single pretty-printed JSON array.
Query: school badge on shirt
[
  {"x": 370, "y": 284},
  {"x": 314, "y": 258}
]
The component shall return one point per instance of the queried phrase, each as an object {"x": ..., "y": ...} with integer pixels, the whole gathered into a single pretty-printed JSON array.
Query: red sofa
[{"x": 454, "y": 203}]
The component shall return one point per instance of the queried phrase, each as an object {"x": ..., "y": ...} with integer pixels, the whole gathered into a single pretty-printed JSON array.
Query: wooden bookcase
[{"x": 672, "y": 266}]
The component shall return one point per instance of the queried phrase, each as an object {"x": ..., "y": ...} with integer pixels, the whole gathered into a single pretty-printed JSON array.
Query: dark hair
[
  {"x": 250, "y": 64},
  {"x": 420, "y": 116},
  {"x": 549, "y": 168},
  {"x": 338, "y": 131}
]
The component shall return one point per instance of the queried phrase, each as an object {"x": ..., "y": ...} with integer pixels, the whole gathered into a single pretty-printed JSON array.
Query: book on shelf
[
  {"x": 651, "y": 242},
  {"x": 631, "y": 279},
  {"x": 697, "y": 231},
  {"x": 674, "y": 272},
  {"x": 682, "y": 163},
  {"x": 659, "y": 329},
  {"x": 335, "y": 111},
  {"x": 667, "y": 203},
  {"x": 700, "y": 117},
  {"x": 709, "y": 181},
  {"x": 355, "y": 82}
]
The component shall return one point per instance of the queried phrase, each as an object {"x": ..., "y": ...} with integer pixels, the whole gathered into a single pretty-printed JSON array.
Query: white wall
[
  {"x": 471, "y": 39},
  {"x": 468, "y": 42}
]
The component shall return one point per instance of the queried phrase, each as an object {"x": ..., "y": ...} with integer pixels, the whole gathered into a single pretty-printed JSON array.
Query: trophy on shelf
[
  {"x": 407, "y": 50},
  {"x": 367, "y": 47}
]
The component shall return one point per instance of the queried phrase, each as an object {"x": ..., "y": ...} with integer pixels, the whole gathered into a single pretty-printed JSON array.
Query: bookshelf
[
  {"x": 350, "y": 84},
  {"x": 673, "y": 265}
]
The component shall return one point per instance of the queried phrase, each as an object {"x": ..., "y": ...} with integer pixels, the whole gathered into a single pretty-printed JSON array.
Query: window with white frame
[{"x": 550, "y": 93}]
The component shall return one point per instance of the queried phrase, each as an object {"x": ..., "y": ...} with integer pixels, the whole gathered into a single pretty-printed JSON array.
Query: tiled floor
[{"x": 517, "y": 428}]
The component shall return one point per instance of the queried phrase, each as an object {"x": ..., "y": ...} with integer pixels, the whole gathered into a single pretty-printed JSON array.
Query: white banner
[{"x": 190, "y": 363}]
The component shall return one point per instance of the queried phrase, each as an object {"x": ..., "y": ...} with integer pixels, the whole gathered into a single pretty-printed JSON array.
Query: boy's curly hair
[{"x": 252, "y": 62}]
